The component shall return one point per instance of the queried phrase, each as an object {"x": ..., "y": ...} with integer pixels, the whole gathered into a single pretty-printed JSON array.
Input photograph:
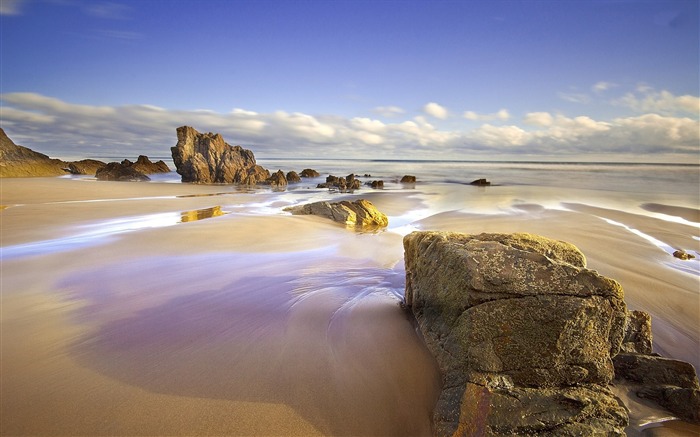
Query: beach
[{"x": 162, "y": 308}]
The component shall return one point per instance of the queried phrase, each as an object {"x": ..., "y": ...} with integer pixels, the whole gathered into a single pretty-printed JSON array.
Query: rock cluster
[
  {"x": 360, "y": 214},
  {"x": 528, "y": 339},
  {"x": 207, "y": 158},
  {"x": 523, "y": 333},
  {"x": 145, "y": 166},
  {"x": 118, "y": 171},
  {"x": 348, "y": 183}
]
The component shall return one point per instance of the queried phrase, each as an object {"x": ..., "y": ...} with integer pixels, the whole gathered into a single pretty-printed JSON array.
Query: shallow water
[{"x": 187, "y": 301}]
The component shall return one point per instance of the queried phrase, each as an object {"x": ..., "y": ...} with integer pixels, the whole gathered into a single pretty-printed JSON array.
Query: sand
[{"x": 176, "y": 309}]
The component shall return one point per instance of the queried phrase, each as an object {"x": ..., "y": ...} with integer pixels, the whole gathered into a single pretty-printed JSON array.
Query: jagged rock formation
[
  {"x": 523, "y": 333},
  {"x": 207, "y": 158},
  {"x": 528, "y": 339},
  {"x": 18, "y": 161},
  {"x": 119, "y": 171},
  {"x": 145, "y": 166},
  {"x": 360, "y": 214},
  {"x": 277, "y": 180}
]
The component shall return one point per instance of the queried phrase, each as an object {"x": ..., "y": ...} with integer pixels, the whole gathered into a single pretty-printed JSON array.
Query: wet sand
[{"x": 175, "y": 309}]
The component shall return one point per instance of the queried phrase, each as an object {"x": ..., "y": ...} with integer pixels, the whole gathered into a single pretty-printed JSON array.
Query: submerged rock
[
  {"x": 480, "y": 183},
  {"x": 523, "y": 333},
  {"x": 360, "y": 213},
  {"x": 408, "y": 179},
  {"x": 207, "y": 158}
]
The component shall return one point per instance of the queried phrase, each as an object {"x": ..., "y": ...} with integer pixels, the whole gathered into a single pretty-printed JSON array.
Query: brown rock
[
  {"x": 682, "y": 254},
  {"x": 85, "y": 167},
  {"x": 145, "y": 166},
  {"x": 115, "y": 171},
  {"x": 408, "y": 179},
  {"x": 309, "y": 173},
  {"x": 293, "y": 177},
  {"x": 638, "y": 338},
  {"x": 359, "y": 214},
  {"x": 207, "y": 158}
]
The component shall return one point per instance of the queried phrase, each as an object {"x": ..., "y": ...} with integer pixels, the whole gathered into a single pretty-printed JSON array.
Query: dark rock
[
  {"x": 408, "y": 179},
  {"x": 115, "y": 171},
  {"x": 681, "y": 401},
  {"x": 375, "y": 184},
  {"x": 523, "y": 333},
  {"x": 293, "y": 177},
  {"x": 207, "y": 158},
  {"x": 341, "y": 183},
  {"x": 360, "y": 213},
  {"x": 655, "y": 370},
  {"x": 682, "y": 254},
  {"x": 480, "y": 183}
]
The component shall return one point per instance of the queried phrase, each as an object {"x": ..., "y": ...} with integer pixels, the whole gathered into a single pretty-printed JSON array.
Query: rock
[
  {"x": 277, "y": 180},
  {"x": 360, "y": 213},
  {"x": 115, "y": 171},
  {"x": 480, "y": 183},
  {"x": 637, "y": 337},
  {"x": 523, "y": 333},
  {"x": 85, "y": 167},
  {"x": 408, "y": 179},
  {"x": 309, "y": 173},
  {"x": 207, "y": 158},
  {"x": 682, "y": 254},
  {"x": 341, "y": 183},
  {"x": 375, "y": 184},
  {"x": 145, "y": 166},
  {"x": 293, "y": 177},
  {"x": 681, "y": 401},
  {"x": 18, "y": 161}
]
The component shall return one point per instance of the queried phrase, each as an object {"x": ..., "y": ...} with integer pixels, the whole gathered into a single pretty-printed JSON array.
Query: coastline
[{"x": 141, "y": 288}]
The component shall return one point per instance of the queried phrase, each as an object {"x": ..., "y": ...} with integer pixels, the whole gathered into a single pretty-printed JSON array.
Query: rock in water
[
  {"x": 207, "y": 158},
  {"x": 360, "y": 213},
  {"x": 123, "y": 172},
  {"x": 523, "y": 333}
]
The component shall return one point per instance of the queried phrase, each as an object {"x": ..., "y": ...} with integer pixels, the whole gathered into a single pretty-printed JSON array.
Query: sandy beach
[{"x": 177, "y": 309}]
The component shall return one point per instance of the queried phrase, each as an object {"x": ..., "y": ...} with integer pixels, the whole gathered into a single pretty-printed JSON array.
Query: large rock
[
  {"x": 523, "y": 333},
  {"x": 360, "y": 213},
  {"x": 19, "y": 161},
  {"x": 85, "y": 167},
  {"x": 207, "y": 158}
]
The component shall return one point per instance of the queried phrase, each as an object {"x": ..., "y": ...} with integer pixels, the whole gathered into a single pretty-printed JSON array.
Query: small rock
[
  {"x": 293, "y": 177},
  {"x": 309, "y": 173},
  {"x": 408, "y": 179},
  {"x": 682, "y": 254},
  {"x": 480, "y": 183},
  {"x": 360, "y": 213}
]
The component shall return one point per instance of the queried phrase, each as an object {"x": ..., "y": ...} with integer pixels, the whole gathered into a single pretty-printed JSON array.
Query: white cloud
[
  {"x": 538, "y": 119},
  {"x": 502, "y": 114},
  {"x": 435, "y": 110},
  {"x": 647, "y": 99},
  {"x": 59, "y": 128},
  {"x": 11, "y": 7},
  {"x": 602, "y": 86},
  {"x": 388, "y": 111},
  {"x": 108, "y": 10},
  {"x": 574, "y": 97}
]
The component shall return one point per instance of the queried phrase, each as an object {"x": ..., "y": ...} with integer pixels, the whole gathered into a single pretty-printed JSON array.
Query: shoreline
[{"x": 147, "y": 295}]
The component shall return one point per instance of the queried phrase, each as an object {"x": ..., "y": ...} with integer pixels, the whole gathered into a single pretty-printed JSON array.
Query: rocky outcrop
[
  {"x": 277, "y": 180},
  {"x": 207, "y": 158},
  {"x": 348, "y": 183},
  {"x": 671, "y": 384},
  {"x": 119, "y": 171},
  {"x": 145, "y": 166},
  {"x": 360, "y": 214},
  {"x": 523, "y": 333},
  {"x": 85, "y": 167},
  {"x": 408, "y": 179},
  {"x": 19, "y": 161}
]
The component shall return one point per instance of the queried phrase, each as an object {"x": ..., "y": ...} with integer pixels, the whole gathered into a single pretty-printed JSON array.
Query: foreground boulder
[
  {"x": 207, "y": 158},
  {"x": 359, "y": 214},
  {"x": 523, "y": 333}
]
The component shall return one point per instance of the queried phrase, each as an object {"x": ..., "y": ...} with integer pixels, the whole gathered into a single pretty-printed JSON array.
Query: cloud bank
[{"x": 65, "y": 129}]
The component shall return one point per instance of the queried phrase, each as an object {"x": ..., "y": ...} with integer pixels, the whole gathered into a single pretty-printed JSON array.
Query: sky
[{"x": 566, "y": 80}]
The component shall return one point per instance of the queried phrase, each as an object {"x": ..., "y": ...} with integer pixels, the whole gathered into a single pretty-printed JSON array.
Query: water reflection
[{"x": 201, "y": 214}]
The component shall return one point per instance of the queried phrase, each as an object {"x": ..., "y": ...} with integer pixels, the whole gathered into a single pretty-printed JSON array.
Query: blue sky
[{"x": 566, "y": 80}]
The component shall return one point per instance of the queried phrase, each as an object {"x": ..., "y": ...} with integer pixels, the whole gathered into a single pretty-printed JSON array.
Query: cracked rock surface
[{"x": 523, "y": 333}]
